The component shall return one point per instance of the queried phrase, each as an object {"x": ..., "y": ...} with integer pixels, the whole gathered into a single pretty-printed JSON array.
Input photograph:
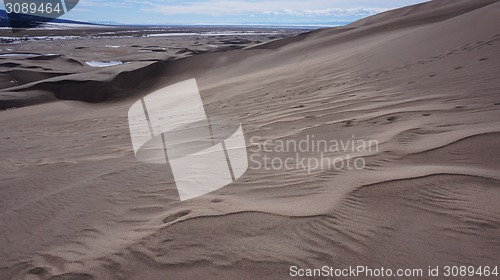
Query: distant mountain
[
  {"x": 105, "y": 23},
  {"x": 23, "y": 21}
]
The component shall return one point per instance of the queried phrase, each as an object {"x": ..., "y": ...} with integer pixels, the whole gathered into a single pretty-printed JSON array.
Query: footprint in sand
[
  {"x": 349, "y": 123},
  {"x": 176, "y": 216},
  {"x": 217, "y": 200},
  {"x": 40, "y": 271},
  {"x": 393, "y": 119}
]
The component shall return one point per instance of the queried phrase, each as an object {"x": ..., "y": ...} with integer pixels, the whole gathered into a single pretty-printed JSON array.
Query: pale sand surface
[{"x": 423, "y": 81}]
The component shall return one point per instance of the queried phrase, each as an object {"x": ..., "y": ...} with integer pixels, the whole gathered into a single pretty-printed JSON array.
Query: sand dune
[{"x": 422, "y": 81}]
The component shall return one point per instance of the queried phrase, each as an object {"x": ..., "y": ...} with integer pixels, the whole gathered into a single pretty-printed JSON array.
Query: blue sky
[{"x": 314, "y": 12}]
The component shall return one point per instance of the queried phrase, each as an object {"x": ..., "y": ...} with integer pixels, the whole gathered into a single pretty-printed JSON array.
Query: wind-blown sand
[{"x": 422, "y": 80}]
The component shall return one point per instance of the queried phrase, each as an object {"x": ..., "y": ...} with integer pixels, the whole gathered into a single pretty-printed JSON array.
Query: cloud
[
  {"x": 231, "y": 11},
  {"x": 351, "y": 12},
  {"x": 269, "y": 7}
]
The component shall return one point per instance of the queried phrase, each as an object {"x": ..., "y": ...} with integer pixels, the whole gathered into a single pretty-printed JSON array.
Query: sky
[{"x": 271, "y": 12}]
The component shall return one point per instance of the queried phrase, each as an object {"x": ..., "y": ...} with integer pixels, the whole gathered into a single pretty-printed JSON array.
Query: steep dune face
[
  {"x": 421, "y": 81},
  {"x": 428, "y": 12}
]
